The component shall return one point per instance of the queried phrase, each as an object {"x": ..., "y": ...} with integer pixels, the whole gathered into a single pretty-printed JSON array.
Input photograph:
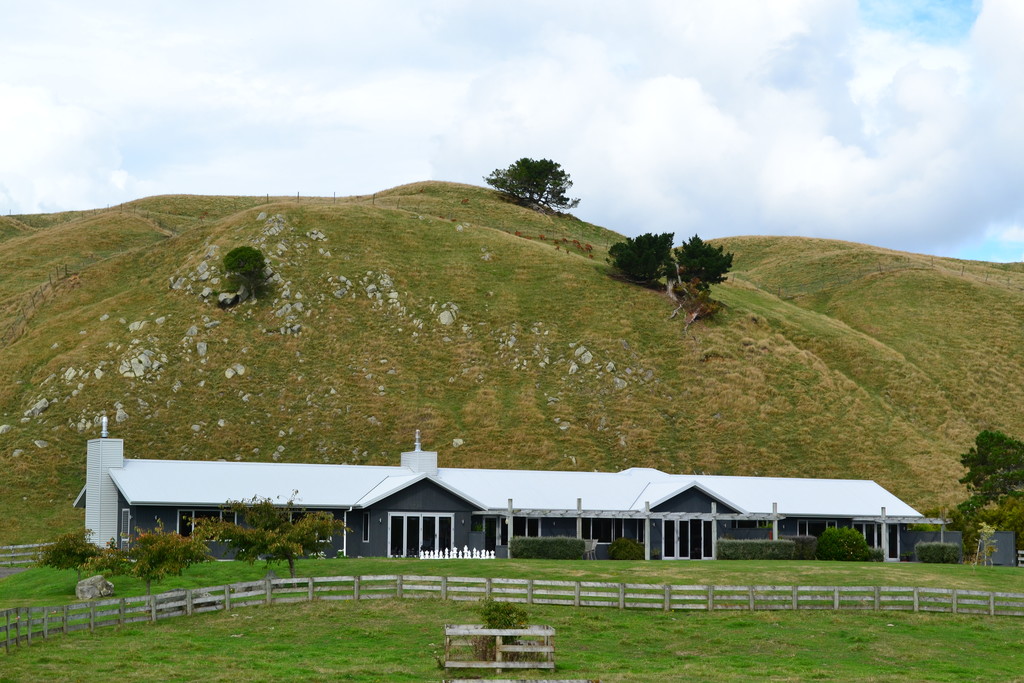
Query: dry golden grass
[{"x": 885, "y": 374}]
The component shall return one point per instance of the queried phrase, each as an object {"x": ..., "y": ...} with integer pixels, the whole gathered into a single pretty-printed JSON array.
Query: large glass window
[{"x": 187, "y": 518}]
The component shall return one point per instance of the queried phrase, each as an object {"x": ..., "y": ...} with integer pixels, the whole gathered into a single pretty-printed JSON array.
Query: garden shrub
[
  {"x": 755, "y": 549},
  {"x": 626, "y": 549},
  {"x": 843, "y": 544},
  {"x": 938, "y": 553},
  {"x": 502, "y": 614},
  {"x": 549, "y": 548},
  {"x": 876, "y": 555},
  {"x": 806, "y": 547}
]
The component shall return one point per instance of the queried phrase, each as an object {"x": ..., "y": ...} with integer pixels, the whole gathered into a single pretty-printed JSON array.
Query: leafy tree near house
[
  {"x": 70, "y": 551},
  {"x": 278, "y": 533},
  {"x": 245, "y": 265},
  {"x": 152, "y": 556},
  {"x": 643, "y": 259},
  {"x": 995, "y": 468},
  {"x": 534, "y": 182}
]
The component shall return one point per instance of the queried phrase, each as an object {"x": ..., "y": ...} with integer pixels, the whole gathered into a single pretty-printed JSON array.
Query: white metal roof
[{"x": 212, "y": 483}]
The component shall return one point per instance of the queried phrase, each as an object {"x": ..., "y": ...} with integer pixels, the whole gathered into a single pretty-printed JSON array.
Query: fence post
[
  {"x": 917, "y": 600},
  {"x": 28, "y": 629},
  {"x": 269, "y": 591},
  {"x": 668, "y": 598},
  {"x": 92, "y": 617},
  {"x": 188, "y": 602},
  {"x": 711, "y": 598},
  {"x": 355, "y": 588},
  {"x": 835, "y": 598},
  {"x": 991, "y": 604},
  {"x": 955, "y": 606},
  {"x": 529, "y": 591},
  {"x": 444, "y": 587},
  {"x": 796, "y": 598},
  {"x": 622, "y": 596},
  {"x": 227, "y": 597},
  {"x": 487, "y": 589},
  {"x": 46, "y": 623},
  {"x": 152, "y": 608},
  {"x": 120, "y": 612},
  {"x": 750, "y": 596},
  {"x": 309, "y": 586},
  {"x": 398, "y": 587},
  {"x": 64, "y": 620},
  {"x": 7, "y": 631}
]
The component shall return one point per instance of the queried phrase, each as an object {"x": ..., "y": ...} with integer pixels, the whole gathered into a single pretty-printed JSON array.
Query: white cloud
[{"x": 726, "y": 117}]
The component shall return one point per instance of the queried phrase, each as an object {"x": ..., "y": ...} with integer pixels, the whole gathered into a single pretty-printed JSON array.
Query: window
[
  {"x": 126, "y": 519},
  {"x": 187, "y": 518},
  {"x": 366, "y": 527},
  {"x": 813, "y": 527},
  {"x": 526, "y": 526}
]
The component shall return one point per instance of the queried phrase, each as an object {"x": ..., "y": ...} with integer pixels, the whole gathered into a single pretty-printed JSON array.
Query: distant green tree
[
  {"x": 72, "y": 550},
  {"x": 245, "y": 265},
  {"x": 701, "y": 263},
  {"x": 644, "y": 258},
  {"x": 537, "y": 182},
  {"x": 995, "y": 468},
  {"x": 277, "y": 533}
]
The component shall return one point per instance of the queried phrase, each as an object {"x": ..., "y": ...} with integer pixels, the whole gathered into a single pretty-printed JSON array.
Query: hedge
[
  {"x": 806, "y": 546},
  {"x": 938, "y": 553},
  {"x": 843, "y": 544},
  {"x": 548, "y": 548},
  {"x": 756, "y": 549}
]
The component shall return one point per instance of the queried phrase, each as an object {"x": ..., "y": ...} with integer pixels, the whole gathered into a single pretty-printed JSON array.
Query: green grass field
[{"x": 390, "y": 640}]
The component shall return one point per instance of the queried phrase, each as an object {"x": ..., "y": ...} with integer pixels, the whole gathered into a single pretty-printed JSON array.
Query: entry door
[{"x": 409, "y": 533}]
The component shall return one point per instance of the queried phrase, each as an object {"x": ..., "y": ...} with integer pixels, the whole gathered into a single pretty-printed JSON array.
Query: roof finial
[{"x": 417, "y": 440}]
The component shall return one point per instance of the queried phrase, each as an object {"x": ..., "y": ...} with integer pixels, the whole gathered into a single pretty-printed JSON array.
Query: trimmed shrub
[
  {"x": 549, "y": 548},
  {"x": 626, "y": 549},
  {"x": 843, "y": 544},
  {"x": 806, "y": 547},
  {"x": 876, "y": 555},
  {"x": 755, "y": 549},
  {"x": 938, "y": 553}
]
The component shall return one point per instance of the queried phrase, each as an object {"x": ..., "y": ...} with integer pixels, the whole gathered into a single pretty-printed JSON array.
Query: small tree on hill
[
  {"x": 245, "y": 265},
  {"x": 643, "y": 259},
  {"x": 534, "y": 182},
  {"x": 701, "y": 263},
  {"x": 70, "y": 551},
  {"x": 277, "y": 533}
]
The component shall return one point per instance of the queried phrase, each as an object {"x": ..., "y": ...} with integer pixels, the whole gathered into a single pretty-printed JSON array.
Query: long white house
[{"x": 397, "y": 511}]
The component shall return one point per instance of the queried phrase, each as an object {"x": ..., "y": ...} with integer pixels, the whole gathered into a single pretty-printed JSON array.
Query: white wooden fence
[
  {"x": 25, "y": 624},
  {"x": 14, "y": 555}
]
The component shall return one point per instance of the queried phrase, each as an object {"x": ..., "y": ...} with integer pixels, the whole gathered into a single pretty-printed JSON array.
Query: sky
[{"x": 895, "y": 123}]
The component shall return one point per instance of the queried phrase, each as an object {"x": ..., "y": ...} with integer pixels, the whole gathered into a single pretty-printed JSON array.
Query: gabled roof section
[
  {"x": 394, "y": 484},
  {"x": 664, "y": 491}
]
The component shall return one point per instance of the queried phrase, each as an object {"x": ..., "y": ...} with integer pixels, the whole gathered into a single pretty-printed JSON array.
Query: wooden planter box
[{"x": 471, "y": 646}]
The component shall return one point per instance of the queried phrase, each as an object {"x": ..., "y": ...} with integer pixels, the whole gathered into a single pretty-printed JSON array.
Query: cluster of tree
[
  {"x": 538, "y": 183},
  {"x": 995, "y": 481},
  {"x": 689, "y": 270},
  {"x": 275, "y": 533}
]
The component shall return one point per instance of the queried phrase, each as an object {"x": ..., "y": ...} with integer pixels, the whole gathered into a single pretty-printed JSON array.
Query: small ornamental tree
[
  {"x": 245, "y": 265},
  {"x": 70, "y": 551},
  {"x": 701, "y": 263},
  {"x": 644, "y": 258},
  {"x": 534, "y": 182},
  {"x": 152, "y": 556},
  {"x": 276, "y": 533}
]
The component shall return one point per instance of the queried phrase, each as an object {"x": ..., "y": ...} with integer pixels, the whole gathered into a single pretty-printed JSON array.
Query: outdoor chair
[{"x": 590, "y": 550}]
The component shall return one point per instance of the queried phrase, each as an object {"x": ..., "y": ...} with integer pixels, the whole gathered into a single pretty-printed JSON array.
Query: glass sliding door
[{"x": 410, "y": 533}]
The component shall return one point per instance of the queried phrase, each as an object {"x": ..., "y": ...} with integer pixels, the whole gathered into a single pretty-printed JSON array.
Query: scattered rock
[
  {"x": 40, "y": 443},
  {"x": 201, "y": 348},
  {"x": 40, "y": 407},
  {"x": 4, "y": 429},
  {"x": 457, "y": 442}
]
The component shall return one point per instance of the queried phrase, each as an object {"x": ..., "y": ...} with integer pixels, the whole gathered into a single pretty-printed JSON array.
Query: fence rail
[
  {"x": 14, "y": 555},
  {"x": 24, "y": 624}
]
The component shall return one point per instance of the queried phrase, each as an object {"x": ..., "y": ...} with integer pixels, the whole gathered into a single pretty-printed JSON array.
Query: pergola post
[
  {"x": 579, "y": 518},
  {"x": 647, "y": 530},
  {"x": 885, "y": 538},
  {"x": 775, "y": 521},
  {"x": 714, "y": 530},
  {"x": 508, "y": 521}
]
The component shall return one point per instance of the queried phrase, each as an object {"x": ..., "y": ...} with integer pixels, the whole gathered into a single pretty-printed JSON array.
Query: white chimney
[
  {"x": 419, "y": 460},
  {"x": 101, "y": 506}
]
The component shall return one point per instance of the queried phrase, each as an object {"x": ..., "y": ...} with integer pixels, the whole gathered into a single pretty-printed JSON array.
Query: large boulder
[{"x": 94, "y": 587}]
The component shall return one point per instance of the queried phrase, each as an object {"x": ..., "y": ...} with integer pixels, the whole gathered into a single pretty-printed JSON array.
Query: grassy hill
[{"x": 494, "y": 329}]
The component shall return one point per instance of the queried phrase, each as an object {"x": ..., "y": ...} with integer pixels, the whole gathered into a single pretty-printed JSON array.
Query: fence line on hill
[
  {"x": 14, "y": 555},
  {"x": 25, "y": 624}
]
